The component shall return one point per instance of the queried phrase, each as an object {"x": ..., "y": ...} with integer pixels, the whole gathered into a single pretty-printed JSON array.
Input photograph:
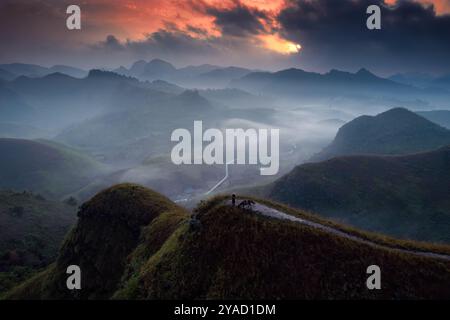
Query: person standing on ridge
[{"x": 233, "y": 199}]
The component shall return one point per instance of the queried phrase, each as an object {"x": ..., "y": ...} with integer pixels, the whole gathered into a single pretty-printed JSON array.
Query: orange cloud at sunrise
[
  {"x": 276, "y": 33},
  {"x": 280, "y": 45},
  {"x": 136, "y": 19}
]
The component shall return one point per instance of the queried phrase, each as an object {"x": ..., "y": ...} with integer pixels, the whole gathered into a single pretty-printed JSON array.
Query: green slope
[
  {"x": 132, "y": 243},
  {"x": 45, "y": 167},
  {"x": 405, "y": 196}
]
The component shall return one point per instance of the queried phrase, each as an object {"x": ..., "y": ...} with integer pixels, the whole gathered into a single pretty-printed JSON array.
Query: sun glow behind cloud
[
  {"x": 247, "y": 33},
  {"x": 136, "y": 19},
  {"x": 280, "y": 45}
]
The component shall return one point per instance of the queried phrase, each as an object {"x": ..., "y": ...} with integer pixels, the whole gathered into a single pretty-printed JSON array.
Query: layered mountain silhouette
[
  {"x": 125, "y": 135},
  {"x": 33, "y": 70},
  {"x": 201, "y": 76},
  {"x": 421, "y": 80},
  {"x": 58, "y": 100},
  {"x": 406, "y": 196},
  {"x": 155, "y": 69},
  {"x": 153, "y": 250},
  {"x": 299, "y": 83},
  {"x": 396, "y": 131},
  {"x": 442, "y": 82}
]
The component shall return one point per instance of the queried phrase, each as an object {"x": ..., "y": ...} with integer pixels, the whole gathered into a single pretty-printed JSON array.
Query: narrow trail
[{"x": 264, "y": 210}]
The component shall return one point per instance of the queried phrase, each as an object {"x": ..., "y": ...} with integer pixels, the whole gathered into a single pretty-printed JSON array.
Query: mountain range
[
  {"x": 202, "y": 76},
  {"x": 286, "y": 81},
  {"x": 14, "y": 70},
  {"x": 423, "y": 80},
  {"x": 387, "y": 173}
]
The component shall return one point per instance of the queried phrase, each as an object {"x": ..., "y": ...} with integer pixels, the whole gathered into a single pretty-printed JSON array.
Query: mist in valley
[{"x": 122, "y": 120}]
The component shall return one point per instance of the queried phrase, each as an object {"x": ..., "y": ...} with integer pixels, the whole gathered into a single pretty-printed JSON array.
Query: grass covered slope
[
  {"x": 132, "y": 243},
  {"x": 31, "y": 231},
  {"x": 45, "y": 167},
  {"x": 404, "y": 196},
  {"x": 108, "y": 230},
  {"x": 394, "y": 132},
  {"x": 237, "y": 254}
]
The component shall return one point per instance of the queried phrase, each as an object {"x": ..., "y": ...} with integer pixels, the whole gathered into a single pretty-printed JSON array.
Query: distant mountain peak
[
  {"x": 363, "y": 72},
  {"x": 398, "y": 111},
  {"x": 57, "y": 75},
  {"x": 393, "y": 132}
]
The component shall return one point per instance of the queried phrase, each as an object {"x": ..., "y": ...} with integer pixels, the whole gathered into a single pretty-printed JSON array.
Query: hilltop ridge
[{"x": 224, "y": 252}]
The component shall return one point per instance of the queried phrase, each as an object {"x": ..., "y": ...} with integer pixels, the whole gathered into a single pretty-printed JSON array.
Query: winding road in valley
[{"x": 264, "y": 210}]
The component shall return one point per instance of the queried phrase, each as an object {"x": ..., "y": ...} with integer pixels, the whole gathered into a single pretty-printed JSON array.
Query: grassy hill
[
  {"x": 45, "y": 167},
  {"x": 406, "y": 196},
  {"x": 31, "y": 231},
  {"x": 110, "y": 227},
  {"x": 396, "y": 131},
  {"x": 132, "y": 243}
]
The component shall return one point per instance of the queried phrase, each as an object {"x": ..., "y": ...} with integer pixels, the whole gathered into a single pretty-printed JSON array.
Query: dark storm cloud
[
  {"x": 332, "y": 33},
  {"x": 112, "y": 43},
  {"x": 171, "y": 45},
  {"x": 335, "y": 35},
  {"x": 163, "y": 42},
  {"x": 237, "y": 20}
]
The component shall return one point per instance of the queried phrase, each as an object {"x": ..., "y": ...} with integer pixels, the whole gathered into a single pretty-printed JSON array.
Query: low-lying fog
[{"x": 126, "y": 125}]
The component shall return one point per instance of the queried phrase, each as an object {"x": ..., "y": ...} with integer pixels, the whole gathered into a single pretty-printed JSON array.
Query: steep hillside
[
  {"x": 132, "y": 243},
  {"x": 406, "y": 196},
  {"x": 31, "y": 231},
  {"x": 109, "y": 228},
  {"x": 396, "y": 131},
  {"x": 45, "y": 167},
  {"x": 440, "y": 117}
]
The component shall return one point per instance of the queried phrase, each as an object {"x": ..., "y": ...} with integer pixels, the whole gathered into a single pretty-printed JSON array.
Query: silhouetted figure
[
  {"x": 233, "y": 199},
  {"x": 246, "y": 204}
]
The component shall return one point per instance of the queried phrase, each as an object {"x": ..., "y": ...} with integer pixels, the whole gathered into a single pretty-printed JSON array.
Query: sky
[{"x": 315, "y": 35}]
